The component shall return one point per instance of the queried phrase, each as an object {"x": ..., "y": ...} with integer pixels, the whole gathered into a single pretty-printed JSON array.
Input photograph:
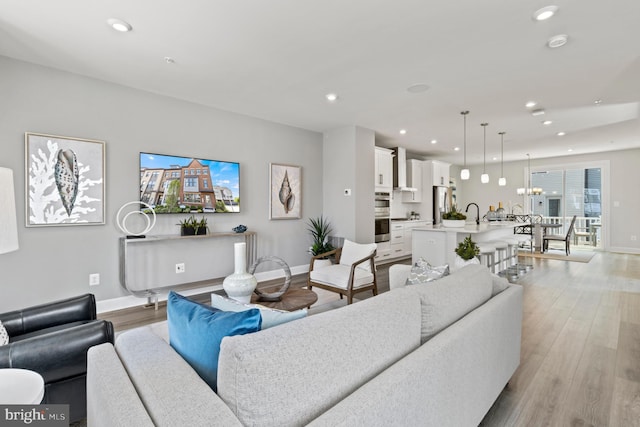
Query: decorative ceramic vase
[{"x": 240, "y": 285}]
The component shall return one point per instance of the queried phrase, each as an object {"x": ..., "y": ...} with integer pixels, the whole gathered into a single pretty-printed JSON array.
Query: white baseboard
[
  {"x": 621, "y": 250},
  {"x": 132, "y": 301}
]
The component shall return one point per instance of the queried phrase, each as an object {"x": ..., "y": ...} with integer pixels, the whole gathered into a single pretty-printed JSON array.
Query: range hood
[{"x": 400, "y": 170}]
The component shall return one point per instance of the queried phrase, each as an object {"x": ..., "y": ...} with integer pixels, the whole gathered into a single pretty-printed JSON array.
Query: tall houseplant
[{"x": 319, "y": 229}]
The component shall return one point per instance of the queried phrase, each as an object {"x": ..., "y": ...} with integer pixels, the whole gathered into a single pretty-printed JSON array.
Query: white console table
[{"x": 148, "y": 265}]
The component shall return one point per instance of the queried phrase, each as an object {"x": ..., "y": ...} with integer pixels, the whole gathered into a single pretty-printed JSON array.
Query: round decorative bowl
[{"x": 453, "y": 223}]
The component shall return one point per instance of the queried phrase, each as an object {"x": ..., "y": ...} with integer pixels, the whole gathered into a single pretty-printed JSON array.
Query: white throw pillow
[
  {"x": 4, "y": 336},
  {"x": 270, "y": 317},
  {"x": 352, "y": 252}
]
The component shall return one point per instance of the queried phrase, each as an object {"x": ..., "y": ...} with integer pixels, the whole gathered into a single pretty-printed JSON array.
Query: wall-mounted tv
[{"x": 175, "y": 184}]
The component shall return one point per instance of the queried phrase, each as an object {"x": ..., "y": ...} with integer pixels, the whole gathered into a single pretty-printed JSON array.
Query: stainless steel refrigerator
[{"x": 441, "y": 203}]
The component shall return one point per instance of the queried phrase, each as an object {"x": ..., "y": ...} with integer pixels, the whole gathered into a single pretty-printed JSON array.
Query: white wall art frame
[
  {"x": 285, "y": 198},
  {"x": 64, "y": 182}
]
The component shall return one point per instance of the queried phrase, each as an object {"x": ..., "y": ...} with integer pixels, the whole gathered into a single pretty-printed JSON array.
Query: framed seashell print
[
  {"x": 64, "y": 180},
  {"x": 285, "y": 199}
]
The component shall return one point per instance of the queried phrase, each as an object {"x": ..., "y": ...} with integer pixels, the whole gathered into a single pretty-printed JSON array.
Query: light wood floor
[{"x": 580, "y": 361}]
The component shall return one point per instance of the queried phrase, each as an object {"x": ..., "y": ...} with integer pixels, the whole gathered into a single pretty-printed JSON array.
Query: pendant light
[
  {"x": 502, "y": 181},
  {"x": 464, "y": 173},
  {"x": 484, "y": 178}
]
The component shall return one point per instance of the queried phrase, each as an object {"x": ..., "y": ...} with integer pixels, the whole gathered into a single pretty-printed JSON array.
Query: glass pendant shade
[
  {"x": 464, "y": 174},
  {"x": 502, "y": 181},
  {"x": 484, "y": 178}
]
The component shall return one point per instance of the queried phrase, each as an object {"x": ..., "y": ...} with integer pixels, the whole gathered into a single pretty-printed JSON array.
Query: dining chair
[
  {"x": 353, "y": 272},
  {"x": 559, "y": 238}
]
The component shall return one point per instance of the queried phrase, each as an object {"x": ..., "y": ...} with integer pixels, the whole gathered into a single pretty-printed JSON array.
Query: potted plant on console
[
  {"x": 193, "y": 227},
  {"x": 453, "y": 218},
  {"x": 466, "y": 252},
  {"x": 320, "y": 229}
]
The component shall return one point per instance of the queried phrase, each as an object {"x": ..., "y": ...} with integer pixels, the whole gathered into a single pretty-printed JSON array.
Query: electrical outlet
[
  {"x": 94, "y": 279},
  {"x": 180, "y": 268},
  {"x": 347, "y": 191}
]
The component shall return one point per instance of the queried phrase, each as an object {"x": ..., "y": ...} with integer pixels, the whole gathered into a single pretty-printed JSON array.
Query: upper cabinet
[
  {"x": 384, "y": 170},
  {"x": 439, "y": 172},
  {"x": 414, "y": 180}
]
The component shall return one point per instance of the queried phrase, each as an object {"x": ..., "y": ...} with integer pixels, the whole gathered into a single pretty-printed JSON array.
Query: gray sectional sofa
[{"x": 431, "y": 354}]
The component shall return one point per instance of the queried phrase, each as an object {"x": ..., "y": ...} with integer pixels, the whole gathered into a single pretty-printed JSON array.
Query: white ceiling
[{"x": 277, "y": 59}]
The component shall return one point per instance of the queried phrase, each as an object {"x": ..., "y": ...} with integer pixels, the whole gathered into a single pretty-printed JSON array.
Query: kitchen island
[{"x": 436, "y": 244}]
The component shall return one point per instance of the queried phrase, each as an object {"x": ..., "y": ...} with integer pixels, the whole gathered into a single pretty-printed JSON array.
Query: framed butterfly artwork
[{"x": 64, "y": 180}]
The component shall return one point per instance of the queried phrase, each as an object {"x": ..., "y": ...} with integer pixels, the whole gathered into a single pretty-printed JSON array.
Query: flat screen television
[{"x": 176, "y": 184}]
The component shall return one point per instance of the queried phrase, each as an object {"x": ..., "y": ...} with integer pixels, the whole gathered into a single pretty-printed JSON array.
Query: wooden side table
[
  {"x": 20, "y": 387},
  {"x": 293, "y": 299}
]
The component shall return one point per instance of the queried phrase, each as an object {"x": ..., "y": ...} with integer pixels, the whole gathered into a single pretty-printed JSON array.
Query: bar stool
[
  {"x": 487, "y": 254},
  {"x": 512, "y": 253},
  {"x": 525, "y": 238},
  {"x": 500, "y": 260}
]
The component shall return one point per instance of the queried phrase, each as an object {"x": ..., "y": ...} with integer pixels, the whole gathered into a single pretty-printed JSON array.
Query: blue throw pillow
[{"x": 196, "y": 331}]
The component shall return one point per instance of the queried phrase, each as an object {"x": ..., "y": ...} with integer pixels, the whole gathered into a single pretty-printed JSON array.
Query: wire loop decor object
[
  {"x": 275, "y": 296},
  {"x": 150, "y": 220}
]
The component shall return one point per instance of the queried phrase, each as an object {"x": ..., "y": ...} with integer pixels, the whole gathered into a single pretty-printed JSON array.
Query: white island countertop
[{"x": 472, "y": 227}]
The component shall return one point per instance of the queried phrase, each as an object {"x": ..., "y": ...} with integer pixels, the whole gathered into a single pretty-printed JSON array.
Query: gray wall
[{"x": 55, "y": 262}]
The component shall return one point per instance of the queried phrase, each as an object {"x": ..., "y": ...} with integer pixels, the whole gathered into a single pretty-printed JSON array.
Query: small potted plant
[
  {"x": 467, "y": 252},
  {"x": 193, "y": 226},
  {"x": 320, "y": 229},
  {"x": 453, "y": 218}
]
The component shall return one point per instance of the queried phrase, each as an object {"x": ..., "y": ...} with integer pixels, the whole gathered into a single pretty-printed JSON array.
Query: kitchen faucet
[{"x": 477, "y": 212}]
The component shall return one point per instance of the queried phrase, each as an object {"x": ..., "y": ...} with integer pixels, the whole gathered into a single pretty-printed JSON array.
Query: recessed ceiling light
[
  {"x": 531, "y": 104},
  {"x": 403, "y": 131},
  {"x": 557, "y": 41},
  {"x": 331, "y": 97},
  {"x": 545, "y": 13},
  {"x": 119, "y": 25},
  {"x": 494, "y": 158},
  {"x": 570, "y": 150},
  {"x": 598, "y": 101},
  {"x": 561, "y": 133},
  {"x": 434, "y": 141},
  {"x": 418, "y": 88},
  {"x": 169, "y": 60},
  {"x": 538, "y": 112},
  {"x": 456, "y": 149},
  {"x": 547, "y": 122}
]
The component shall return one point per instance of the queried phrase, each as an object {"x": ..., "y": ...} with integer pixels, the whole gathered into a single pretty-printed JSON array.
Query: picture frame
[
  {"x": 285, "y": 191},
  {"x": 64, "y": 181}
]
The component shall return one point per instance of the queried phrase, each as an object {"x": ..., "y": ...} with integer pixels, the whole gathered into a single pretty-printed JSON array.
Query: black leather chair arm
[
  {"x": 57, "y": 355},
  {"x": 51, "y": 314}
]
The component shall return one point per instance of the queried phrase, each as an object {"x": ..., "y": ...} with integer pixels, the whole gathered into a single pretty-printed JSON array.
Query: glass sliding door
[{"x": 569, "y": 192}]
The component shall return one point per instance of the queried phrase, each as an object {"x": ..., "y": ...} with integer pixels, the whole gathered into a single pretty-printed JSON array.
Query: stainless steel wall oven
[{"x": 382, "y": 214}]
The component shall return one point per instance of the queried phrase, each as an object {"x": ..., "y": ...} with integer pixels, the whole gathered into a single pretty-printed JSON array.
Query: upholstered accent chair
[
  {"x": 560, "y": 238},
  {"x": 353, "y": 272}
]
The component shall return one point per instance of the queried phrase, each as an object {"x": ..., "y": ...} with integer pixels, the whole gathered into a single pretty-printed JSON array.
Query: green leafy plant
[
  {"x": 453, "y": 214},
  {"x": 467, "y": 249},
  {"x": 319, "y": 229},
  {"x": 193, "y": 226}
]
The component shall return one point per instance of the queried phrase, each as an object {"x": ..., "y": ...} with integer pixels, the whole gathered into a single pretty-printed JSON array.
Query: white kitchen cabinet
[
  {"x": 414, "y": 179},
  {"x": 383, "y": 252},
  {"x": 408, "y": 231},
  {"x": 384, "y": 170},
  {"x": 439, "y": 173},
  {"x": 397, "y": 239}
]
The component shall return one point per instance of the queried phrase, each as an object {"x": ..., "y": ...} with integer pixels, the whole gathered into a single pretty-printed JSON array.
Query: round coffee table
[
  {"x": 293, "y": 299},
  {"x": 20, "y": 387}
]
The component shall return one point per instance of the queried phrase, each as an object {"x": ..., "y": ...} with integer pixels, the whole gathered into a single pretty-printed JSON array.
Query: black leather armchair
[{"x": 52, "y": 340}]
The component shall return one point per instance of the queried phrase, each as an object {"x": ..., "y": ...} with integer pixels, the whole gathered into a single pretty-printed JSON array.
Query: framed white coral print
[
  {"x": 285, "y": 199},
  {"x": 64, "y": 180}
]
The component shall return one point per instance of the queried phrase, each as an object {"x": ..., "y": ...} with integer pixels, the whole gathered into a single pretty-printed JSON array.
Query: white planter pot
[
  {"x": 240, "y": 285},
  {"x": 454, "y": 223},
  {"x": 459, "y": 262},
  {"x": 319, "y": 263}
]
